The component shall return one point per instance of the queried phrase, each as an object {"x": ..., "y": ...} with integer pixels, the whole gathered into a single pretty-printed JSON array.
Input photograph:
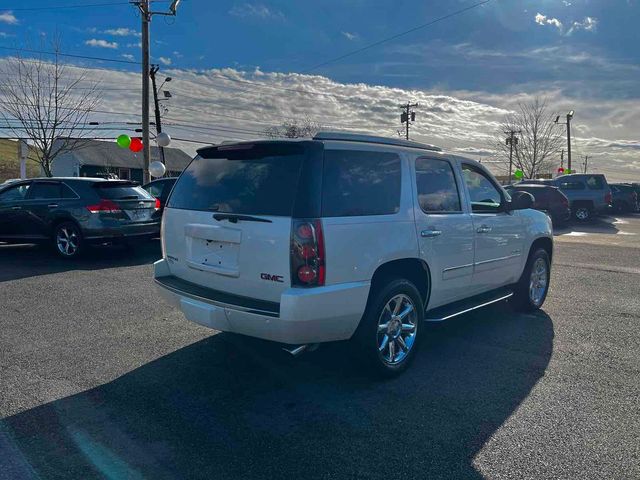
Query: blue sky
[{"x": 582, "y": 54}]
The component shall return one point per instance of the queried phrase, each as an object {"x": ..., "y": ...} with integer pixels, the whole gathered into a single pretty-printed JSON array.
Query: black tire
[
  {"x": 368, "y": 339},
  {"x": 67, "y": 241},
  {"x": 524, "y": 299},
  {"x": 582, "y": 213}
]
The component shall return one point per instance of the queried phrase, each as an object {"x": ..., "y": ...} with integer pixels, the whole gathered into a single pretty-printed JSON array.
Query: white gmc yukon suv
[{"x": 346, "y": 237}]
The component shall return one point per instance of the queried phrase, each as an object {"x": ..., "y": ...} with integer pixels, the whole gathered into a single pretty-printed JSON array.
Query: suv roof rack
[{"x": 358, "y": 137}]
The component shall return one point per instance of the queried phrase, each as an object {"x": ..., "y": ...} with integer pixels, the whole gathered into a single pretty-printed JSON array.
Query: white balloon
[
  {"x": 163, "y": 139},
  {"x": 157, "y": 169}
]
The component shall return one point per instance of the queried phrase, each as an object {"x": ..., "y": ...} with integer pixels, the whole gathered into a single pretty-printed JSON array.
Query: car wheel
[
  {"x": 387, "y": 337},
  {"x": 531, "y": 291},
  {"x": 583, "y": 213},
  {"x": 67, "y": 240}
]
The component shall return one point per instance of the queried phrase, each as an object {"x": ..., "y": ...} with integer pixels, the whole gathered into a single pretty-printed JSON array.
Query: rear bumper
[
  {"x": 130, "y": 231},
  {"x": 315, "y": 315}
]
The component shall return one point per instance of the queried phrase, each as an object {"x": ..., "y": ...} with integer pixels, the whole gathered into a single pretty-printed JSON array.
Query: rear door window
[
  {"x": 45, "y": 191},
  {"x": 356, "y": 183},
  {"x": 259, "y": 179},
  {"x": 437, "y": 188}
]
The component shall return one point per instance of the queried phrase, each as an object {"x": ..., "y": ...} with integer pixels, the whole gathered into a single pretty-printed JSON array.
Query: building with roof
[{"x": 101, "y": 158}]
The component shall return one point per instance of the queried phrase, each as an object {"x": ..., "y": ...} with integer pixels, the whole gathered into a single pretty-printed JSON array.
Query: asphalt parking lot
[{"x": 101, "y": 379}]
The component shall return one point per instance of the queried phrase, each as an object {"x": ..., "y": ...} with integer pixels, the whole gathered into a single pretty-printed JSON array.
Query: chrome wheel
[
  {"x": 397, "y": 327},
  {"x": 582, "y": 213},
  {"x": 538, "y": 282},
  {"x": 67, "y": 240}
]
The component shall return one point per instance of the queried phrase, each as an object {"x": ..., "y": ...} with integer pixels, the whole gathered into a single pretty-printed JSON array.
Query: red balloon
[
  {"x": 561, "y": 170},
  {"x": 135, "y": 145}
]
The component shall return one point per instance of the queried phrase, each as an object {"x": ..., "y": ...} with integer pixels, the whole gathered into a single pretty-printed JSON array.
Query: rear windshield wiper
[
  {"x": 233, "y": 218},
  {"x": 129, "y": 197}
]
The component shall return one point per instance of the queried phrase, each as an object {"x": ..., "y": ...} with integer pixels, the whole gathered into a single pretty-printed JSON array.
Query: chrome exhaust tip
[{"x": 295, "y": 350}]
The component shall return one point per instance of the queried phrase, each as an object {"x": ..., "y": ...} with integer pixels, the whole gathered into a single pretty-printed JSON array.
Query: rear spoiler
[{"x": 116, "y": 183}]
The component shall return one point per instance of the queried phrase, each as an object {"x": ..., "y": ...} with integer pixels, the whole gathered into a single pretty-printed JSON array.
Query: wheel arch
[
  {"x": 414, "y": 269},
  {"x": 542, "y": 242},
  {"x": 63, "y": 219}
]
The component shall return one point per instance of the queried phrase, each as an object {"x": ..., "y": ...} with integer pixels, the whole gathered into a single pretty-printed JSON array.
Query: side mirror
[{"x": 520, "y": 201}]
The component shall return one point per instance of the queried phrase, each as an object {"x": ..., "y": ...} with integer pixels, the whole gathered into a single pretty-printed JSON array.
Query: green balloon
[
  {"x": 518, "y": 174},
  {"x": 123, "y": 141}
]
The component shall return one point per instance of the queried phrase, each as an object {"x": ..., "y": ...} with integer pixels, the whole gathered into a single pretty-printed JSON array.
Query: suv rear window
[
  {"x": 595, "y": 183},
  {"x": 121, "y": 191},
  {"x": 358, "y": 183},
  {"x": 259, "y": 179}
]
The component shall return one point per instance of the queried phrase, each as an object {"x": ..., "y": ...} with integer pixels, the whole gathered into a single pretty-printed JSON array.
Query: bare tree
[
  {"x": 294, "y": 129},
  {"x": 47, "y": 103},
  {"x": 539, "y": 139}
]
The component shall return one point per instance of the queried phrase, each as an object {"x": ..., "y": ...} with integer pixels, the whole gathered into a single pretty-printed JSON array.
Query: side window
[
  {"x": 18, "y": 192},
  {"x": 437, "y": 189},
  {"x": 67, "y": 192},
  {"x": 484, "y": 196},
  {"x": 155, "y": 189},
  {"x": 44, "y": 191},
  {"x": 360, "y": 183},
  {"x": 595, "y": 183}
]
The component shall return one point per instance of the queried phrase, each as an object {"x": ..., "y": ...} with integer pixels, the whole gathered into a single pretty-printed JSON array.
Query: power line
[
  {"x": 70, "y": 55},
  {"x": 396, "y": 36},
  {"x": 75, "y": 5}
]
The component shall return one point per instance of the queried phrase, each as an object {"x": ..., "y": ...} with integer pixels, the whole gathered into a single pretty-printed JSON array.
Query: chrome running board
[{"x": 441, "y": 314}]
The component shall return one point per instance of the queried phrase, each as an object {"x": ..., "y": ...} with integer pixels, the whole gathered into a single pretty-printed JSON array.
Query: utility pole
[
  {"x": 562, "y": 159},
  {"x": 569, "y": 117},
  {"x": 511, "y": 141},
  {"x": 146, "y": 148},
  {"x": 586, "y": 163},
  {"x": 408, "y": 116},
  {"x": 156, "y": 103},
  {"x": 145, "y": 16}
]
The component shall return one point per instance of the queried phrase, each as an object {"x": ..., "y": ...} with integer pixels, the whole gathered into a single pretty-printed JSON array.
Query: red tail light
[
  {"x": 104, "y": 206},
  {"x": 607, "y": 198},
  {"x": 158, "y": 204},
  {"x": 307, "y": 253}
]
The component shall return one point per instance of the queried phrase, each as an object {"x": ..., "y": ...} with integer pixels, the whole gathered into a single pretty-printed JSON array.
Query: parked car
[
  {"x": 548, "y": 199},
  {"x": 346, "y": 237},
  {"x": 624, "y": 197},
  {"x": 68, "y": 213},
  {"x": 161, "y": 189},
  {"x": 589, "y": 194}
]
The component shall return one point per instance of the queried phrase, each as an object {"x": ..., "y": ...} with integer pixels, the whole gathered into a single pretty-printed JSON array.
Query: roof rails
[{"x": 356, "y": 137}]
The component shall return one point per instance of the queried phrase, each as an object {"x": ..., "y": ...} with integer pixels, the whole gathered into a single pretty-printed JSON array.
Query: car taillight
[
  {"x": 104, "y": 206},
  {"x": 607, "y": 198},
  {"x": 307, "y": 253},
  {"x": 158, "y": 204}
]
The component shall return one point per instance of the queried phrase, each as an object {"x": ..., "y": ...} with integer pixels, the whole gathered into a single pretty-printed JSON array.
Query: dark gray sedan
[{"x": 69, "y": 213}]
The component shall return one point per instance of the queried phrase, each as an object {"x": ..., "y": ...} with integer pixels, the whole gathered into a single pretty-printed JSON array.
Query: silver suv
[{"x": 346, "y": 237}]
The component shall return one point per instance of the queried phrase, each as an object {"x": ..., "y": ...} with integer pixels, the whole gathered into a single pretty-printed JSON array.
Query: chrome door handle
[
  {"x": 16, "y": 208},
  {"x": 483, "y": 229},
  {"x": 53, "y": 205},
  {"x": 430, "y": 233}
]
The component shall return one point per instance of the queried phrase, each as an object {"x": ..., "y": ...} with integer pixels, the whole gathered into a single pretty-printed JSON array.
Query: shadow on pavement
[
  {"x": 601, "y": 225},
  {"x": 22, "y": 261},
  {"x": 227, "y": 407}
]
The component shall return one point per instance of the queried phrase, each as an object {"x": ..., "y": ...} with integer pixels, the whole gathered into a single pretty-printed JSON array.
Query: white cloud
[
  {"x": 589, "y": 24},
  {"x": 8, "y": 17},
  {"x": 94, "y": 42},
  {"x": 164, "y": 60},
  {"x": 122, "y": 32},
  {"x": 350, "y": 36},
  {"x": 128, "y": 56},
  {"x": 134, "y": 45},
  {"x": 256, "y": 10},
  {"x": 544, "y": 20}
]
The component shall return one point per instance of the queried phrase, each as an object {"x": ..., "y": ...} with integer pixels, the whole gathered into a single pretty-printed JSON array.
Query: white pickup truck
[{"x": 346, "y": 236}]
